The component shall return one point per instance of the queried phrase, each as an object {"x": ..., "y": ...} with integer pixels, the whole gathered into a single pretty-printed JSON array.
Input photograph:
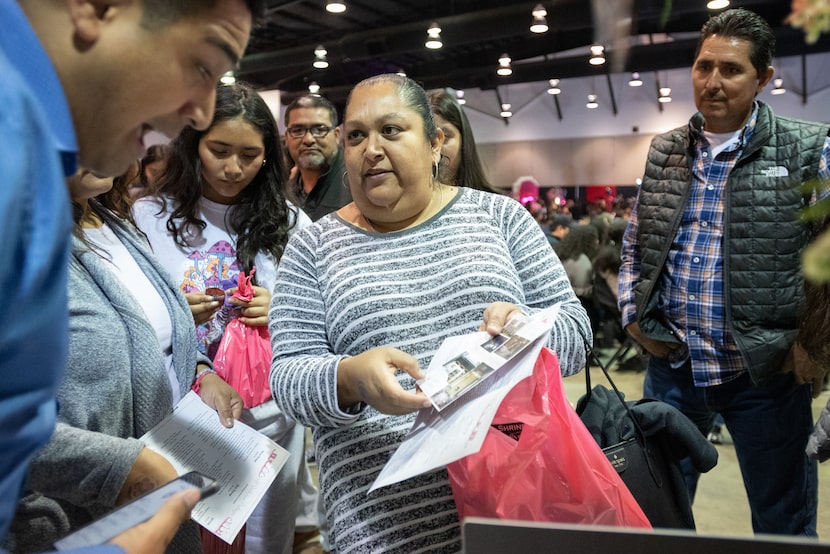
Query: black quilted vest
[{"x": 763, "y": 237}]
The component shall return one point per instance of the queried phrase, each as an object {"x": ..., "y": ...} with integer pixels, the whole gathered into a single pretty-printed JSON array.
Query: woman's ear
[{"x": 436, "y": 144}]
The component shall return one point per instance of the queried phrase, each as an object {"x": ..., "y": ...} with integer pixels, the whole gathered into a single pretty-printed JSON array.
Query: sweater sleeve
[
  {"x": 83, "y": 467},
  {"x": 546, "y": 284},
  {"x": 304, "y": 368}
]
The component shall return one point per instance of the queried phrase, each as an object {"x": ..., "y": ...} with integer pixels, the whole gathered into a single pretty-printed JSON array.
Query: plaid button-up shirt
[{"x": 692, "y": 282}]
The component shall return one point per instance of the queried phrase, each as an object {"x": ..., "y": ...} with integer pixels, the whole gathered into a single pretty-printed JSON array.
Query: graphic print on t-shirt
[{"x": 214, "y": 267}]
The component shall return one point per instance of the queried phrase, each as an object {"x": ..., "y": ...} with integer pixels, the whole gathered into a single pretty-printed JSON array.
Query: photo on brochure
[
  {"x": 462, "y": 375},
  {"x": 466, "y": 370}
]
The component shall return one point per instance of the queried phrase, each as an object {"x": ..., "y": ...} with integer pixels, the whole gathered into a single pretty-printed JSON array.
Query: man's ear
[
  {"x": 764, "y": 79},
  {"x": 87, "y": 17}
]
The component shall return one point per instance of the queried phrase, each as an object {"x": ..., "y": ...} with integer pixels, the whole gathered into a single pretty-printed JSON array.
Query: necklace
[{"x": 425, "y": 214}]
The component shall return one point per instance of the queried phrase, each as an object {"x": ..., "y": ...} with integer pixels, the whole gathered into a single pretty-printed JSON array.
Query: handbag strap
[{"x": 590, "y": 356}]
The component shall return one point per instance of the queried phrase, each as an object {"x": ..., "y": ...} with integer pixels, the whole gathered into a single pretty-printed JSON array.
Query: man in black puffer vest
[{"x": 711, "y": 282}]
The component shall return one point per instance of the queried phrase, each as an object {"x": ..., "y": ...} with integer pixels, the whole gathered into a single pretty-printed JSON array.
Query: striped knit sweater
[{"x": 342, "y": 290}]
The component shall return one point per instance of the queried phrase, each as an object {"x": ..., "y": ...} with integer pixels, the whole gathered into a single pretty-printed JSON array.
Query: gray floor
[{"x": 721, "y": 507}]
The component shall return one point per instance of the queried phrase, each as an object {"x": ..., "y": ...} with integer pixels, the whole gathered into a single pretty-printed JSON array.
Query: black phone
[{"x": 136, "y": 511}]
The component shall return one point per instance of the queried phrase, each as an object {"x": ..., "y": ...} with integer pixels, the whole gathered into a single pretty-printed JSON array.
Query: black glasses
[{"x": 317, "y": 131}]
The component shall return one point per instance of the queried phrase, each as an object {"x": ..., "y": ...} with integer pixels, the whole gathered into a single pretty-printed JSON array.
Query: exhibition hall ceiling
[{"x": 379, "y": 36}]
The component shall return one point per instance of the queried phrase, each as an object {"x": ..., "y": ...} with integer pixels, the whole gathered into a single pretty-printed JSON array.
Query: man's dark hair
[
  {"x": 163, "y": 12},
  {"x": 745, "y": 25},
  {"x": 312, "y": 101}
]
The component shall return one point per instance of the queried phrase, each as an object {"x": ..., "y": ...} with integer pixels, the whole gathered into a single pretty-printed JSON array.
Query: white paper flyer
[{"x": 243, "y": 460}]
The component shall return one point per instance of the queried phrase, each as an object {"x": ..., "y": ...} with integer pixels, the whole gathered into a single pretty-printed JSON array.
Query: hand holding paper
[{"x": 244, "y": 461}]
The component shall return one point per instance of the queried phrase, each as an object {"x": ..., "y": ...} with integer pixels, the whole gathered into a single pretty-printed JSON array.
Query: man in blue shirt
[
  {"x": 711, "y": 284},
  {"x": 84, "y": 82}
]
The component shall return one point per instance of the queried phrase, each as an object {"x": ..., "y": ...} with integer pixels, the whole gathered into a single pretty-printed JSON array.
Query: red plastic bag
[
  {"x": 243, "y": 358},
  {"x": 554, "y": 472}
]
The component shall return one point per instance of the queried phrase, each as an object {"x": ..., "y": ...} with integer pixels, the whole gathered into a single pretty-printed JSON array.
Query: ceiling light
[
  {"x": 778, "y": 87},
  {"x": 505, "y": 110},
  {"x": 320, "y": 59},
  {"x": 505, "y": 68},
  {"x": 459, "y": 94},
  {"x": 228, "y": 78},
  {"x": 597, "y": 56},
  {"x": 554, "y": 86},
  {"x": 635, "y": 80},
  {"x": 592, "y": 102},
  {"x": 717, "y": 4},
  {"x": 401, "y": 73},
  {"x": 434, "y": 37},
  {"x": 313, "y": 88},
  {"x": 540, "y": 23},
  {"x": 665, "y": 95},
  {"x": 336, "y": 7}
]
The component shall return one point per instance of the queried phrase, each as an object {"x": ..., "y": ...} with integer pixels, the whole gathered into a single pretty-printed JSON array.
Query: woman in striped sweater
[{"x": 365, "y": 296}]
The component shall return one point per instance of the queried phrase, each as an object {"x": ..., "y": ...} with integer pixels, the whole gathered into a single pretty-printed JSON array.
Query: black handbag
[{"x": 641, "y": 462}]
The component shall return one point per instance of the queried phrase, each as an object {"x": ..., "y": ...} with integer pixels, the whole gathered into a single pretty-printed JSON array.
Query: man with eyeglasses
[{"x": 313, "y": 140}]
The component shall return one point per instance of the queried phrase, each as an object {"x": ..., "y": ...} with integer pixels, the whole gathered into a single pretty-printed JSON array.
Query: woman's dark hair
[
  {"x": 260, "y": 218},
  {"x": 470, "y": 170},
  {"x": 616, "y": 231},
  {"x": 412, "y": 94},
  {"x": 118, "y": 199},
  {"x": 607, "y": 259},
  {"x": 581, "y": 239},
  {"x": 745, "y": 25}
]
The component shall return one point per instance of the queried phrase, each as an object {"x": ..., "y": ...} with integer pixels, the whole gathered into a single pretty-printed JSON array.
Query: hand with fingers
[
  {"x": 222, "y": 397},
  {"x": 496, "y": 316},
  {"x": 153, "y": 536},
  {"x": 204, "y": 306},
  {"x": 371, "y": 378},
  {"x": 255, "y": 312}
]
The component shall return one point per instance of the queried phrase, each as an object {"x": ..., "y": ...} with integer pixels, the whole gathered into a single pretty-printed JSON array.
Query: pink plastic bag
[
  {"x": 243, "y": 358},
  {"x": 554, "y": 472}
]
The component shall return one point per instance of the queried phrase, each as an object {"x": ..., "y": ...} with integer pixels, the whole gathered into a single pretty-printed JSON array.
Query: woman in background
[
  {"x": 365, "y": 296},
  {"x": 460, "y": 163},
  {"x": 221, "y": 209}
]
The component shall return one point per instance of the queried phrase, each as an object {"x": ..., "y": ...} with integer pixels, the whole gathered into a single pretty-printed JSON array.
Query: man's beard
[{"x": 313, "y": 160}]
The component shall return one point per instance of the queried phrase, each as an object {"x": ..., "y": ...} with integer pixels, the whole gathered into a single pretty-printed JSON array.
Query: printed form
[{"x": 243, "y": 460}]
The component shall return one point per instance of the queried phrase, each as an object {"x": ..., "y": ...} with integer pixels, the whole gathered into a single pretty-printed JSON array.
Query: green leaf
[{"x": 816, "y": 259}]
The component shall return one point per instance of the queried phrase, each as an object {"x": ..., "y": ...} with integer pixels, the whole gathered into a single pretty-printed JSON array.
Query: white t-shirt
[
  {"x": 127, "y": 270},
  {"x": 210, "y": 261},
  {"x": 718, "y": 142}
]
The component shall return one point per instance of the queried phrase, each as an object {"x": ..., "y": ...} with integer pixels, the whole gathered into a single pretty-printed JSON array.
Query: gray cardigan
[{"x": 116, "y": 388}]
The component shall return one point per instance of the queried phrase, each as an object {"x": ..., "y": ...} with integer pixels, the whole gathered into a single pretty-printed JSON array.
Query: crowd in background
[{"x": 587, "y": 237}]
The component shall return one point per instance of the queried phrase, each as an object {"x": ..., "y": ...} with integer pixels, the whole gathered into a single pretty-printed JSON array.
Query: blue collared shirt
[
  {"x": 692, "y": 284},
  {"x": 37, "y": 151}
]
